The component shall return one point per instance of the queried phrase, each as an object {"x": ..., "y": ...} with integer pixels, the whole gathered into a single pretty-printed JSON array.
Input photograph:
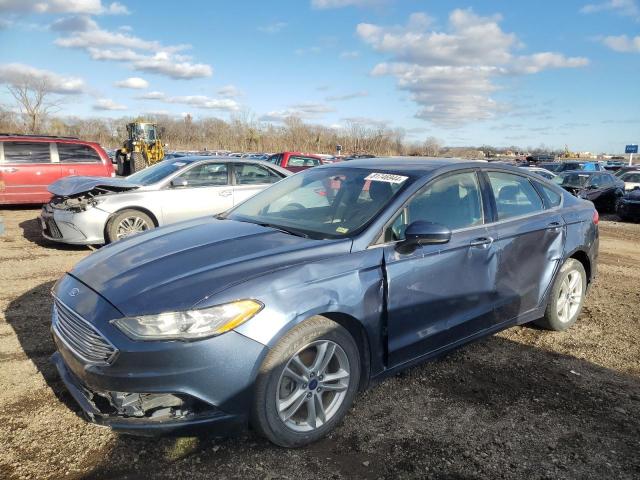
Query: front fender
[{"x": 350, "y": 284}]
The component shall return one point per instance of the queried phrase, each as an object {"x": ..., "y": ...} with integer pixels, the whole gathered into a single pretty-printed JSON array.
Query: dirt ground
[{"x": 522, "y": 404}]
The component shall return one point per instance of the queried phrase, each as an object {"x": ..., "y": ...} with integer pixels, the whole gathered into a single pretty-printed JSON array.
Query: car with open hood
[
  {"x": 93, "y": 210},
  {"x": 601, "y": 188},
  {"x": 277, "y": 312}
]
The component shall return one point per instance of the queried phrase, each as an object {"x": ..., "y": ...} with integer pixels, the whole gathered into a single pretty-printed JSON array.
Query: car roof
[
  {"x": 583, "y": 172},
  {"x": 222, "y": 158},
  {"x": 415, "y": 165}
]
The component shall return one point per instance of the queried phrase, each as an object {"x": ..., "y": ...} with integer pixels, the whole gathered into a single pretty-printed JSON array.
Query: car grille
[
  {"x": 80, "y": 336},
  {"x": 52, "y": 229}
]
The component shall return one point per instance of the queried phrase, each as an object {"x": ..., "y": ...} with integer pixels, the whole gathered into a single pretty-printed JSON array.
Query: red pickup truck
[{"x": 295, "y": 161}]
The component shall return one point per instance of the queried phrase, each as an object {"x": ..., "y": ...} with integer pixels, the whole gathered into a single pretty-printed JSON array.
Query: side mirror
[
  {"x": 178, "y": 182},
  {"x": 592, "y": 187},
  {"x": 425, "y": 233}
]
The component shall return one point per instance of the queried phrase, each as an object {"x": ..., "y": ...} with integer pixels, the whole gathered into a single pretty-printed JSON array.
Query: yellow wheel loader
[{"x": 141, "y": 149}]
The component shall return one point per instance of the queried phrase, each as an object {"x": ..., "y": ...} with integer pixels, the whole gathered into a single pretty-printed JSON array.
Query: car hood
[
  {"x": 74, "y": 185},
  {"x": 174, "y": 267}
]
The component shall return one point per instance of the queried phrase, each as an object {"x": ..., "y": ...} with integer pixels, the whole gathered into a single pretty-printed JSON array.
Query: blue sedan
[{"x": 276, "y": 313}]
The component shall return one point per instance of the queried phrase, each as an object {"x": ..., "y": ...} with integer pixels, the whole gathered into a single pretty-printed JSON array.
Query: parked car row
[{"x": 278, "y": 311}]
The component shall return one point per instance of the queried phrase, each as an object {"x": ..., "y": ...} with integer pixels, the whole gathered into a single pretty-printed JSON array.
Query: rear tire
[
  {"x": 566, "y": 298},
  {"x": 306, "y": 384},
  {"x": 137, "y": 162},
  {"x": 122, "y": 165},
  {"x": 126, "y": 223}
]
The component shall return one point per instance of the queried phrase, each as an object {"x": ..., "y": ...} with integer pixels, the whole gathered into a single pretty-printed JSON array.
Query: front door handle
[
  {"x": 8, "y": 169},
  {"x": 554, "y": 226},
  {"x": 482, "y": 242},
  {"x": 225, "y": 193}
]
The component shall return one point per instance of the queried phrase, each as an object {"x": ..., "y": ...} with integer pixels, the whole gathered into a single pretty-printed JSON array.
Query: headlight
[{"x": 189, "y": 325}]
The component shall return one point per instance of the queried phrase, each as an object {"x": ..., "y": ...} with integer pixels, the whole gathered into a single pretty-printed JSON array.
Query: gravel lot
[{"x": 522, "y": 404}]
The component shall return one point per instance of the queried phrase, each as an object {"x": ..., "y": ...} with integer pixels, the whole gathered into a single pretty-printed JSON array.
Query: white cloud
[
  {"x": 452, "y": 74},
  {"x": 229, "y": 91},
  {"x": 108, "y": 104},
  {"x": 197, "y": 101},
  {"x": 623, "y": 43},
  {"x": 627, "y": 8},
  {"x": 76, "y": 23},
  {"x": 347, "y": 96},
  {"x": 140, "y": 54},
  {"x": 303, "y": 111},
  {"x": 17, "y": 73},
  {"x": 274, "y": 27},
  {"x": 153, "y": 96},
  {"x": 326, "y": 4},
  {"x": 88, "y": 7},
  {"x": 133, "y": 82}
]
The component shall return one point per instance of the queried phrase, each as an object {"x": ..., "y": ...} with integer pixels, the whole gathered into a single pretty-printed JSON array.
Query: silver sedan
[{"x": 97, "y": 210}]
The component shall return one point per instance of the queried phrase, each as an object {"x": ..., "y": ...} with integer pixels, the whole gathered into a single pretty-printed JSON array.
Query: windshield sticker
[
  {"x": 386, "y": 177},
  {"x": 179, "y": 164},
  {"x": 342, "y": 230}
]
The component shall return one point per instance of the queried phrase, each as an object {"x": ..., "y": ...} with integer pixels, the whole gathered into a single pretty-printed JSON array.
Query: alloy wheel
[
  {"x": 313, "y": 386},
  {"x": 130, "y": 226},
  {"x": 570, "y": 296}
]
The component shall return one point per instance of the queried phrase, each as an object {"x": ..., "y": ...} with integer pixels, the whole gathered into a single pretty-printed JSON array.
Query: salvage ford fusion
[{"x": 276, "y": 313}]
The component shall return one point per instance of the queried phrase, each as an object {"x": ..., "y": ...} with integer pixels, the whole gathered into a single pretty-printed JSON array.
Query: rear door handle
[
  {"x": 482, "y": 242},
  {"x": 225, "y": 193},
  {"x": 8, "y": 169}
]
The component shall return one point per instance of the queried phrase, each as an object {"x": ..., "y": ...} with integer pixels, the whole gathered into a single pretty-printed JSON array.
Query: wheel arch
[
  {"x": 144, "y": 210},
  {"x": 359, "y": 334},
  {"x": 584, "y": 259}
]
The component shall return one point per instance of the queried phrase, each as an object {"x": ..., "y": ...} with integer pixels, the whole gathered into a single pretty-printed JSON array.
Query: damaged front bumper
[
  {"x": 147, "y": 414},
  {"x": 74, "y": 227}
]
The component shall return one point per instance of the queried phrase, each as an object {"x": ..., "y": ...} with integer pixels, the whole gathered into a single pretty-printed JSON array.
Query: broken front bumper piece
[{"x": 146, "y": 413}]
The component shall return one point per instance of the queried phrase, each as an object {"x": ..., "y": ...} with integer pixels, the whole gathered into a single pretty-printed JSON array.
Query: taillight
[{"x": 596, "y": 217}]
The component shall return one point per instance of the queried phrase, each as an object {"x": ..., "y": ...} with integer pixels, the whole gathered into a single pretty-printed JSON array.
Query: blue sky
[{"x": 469, "y": 73}]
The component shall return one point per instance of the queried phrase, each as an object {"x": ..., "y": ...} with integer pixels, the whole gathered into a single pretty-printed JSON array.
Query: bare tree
[
  {"x": 35, "y": 99},
  {"x": 432, "y": 147}
]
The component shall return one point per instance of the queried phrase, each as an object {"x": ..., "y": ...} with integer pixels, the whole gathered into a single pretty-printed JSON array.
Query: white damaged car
[{"x": 96, "y": 210}]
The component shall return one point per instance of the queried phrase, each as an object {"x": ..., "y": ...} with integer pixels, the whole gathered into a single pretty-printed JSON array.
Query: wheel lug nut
[
  {"x": 319, "y": 389},
  {"x": 309, "y": 395},
  {"x": 304, "y": 385},
  {"x": 320, "y": 377},
  {"x": 312, "y": 374}
]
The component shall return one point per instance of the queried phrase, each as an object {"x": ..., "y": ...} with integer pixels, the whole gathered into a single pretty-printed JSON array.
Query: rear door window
[
  {"x": 27, "y": 152},
  {"x": 514, "y": 195},
  {"x": 299, "y": 161},
  {"x": 73, "y": 153},
  {"x": 553, "y": 198},
  {"x": 254, "y": 174}
]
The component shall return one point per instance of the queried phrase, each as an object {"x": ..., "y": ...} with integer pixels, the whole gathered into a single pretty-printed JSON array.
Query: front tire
[
  {"x": 126, "y": 223},
  {"x": 566, "y": 298},
  {"x": 306, "y": 384}
]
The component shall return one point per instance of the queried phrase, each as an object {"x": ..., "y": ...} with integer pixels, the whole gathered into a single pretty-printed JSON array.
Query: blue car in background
[{"x": 276, "y": 313}]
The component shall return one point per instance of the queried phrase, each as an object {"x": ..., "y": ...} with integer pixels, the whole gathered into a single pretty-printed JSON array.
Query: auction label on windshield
[{"x": 385, "y": 177}]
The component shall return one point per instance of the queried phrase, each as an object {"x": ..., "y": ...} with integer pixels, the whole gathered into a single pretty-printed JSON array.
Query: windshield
[
  {"x": 146, "y": 131},
  {"x": 572, "y": 179},
  {"x": 157, "y": 172},
  {"x": 323, "y": 203}
]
